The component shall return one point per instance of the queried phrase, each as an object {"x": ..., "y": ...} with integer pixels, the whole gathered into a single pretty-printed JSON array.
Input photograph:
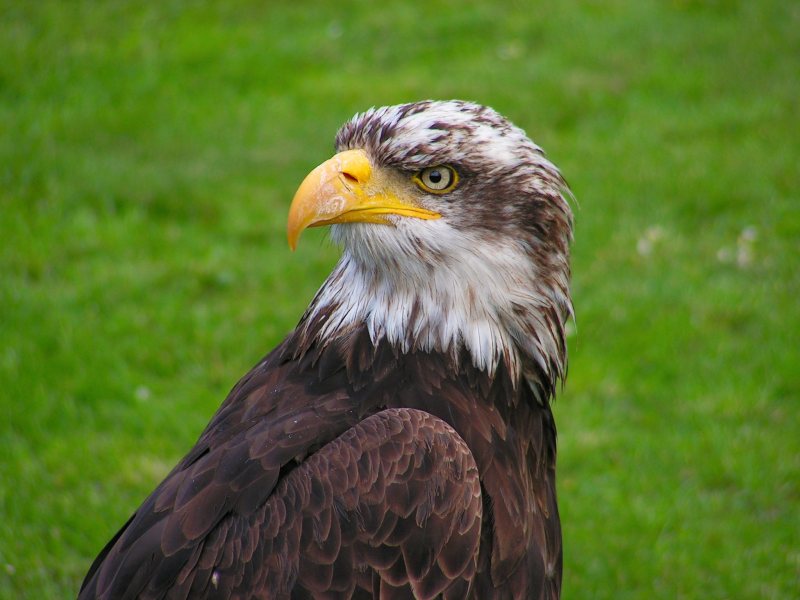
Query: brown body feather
[{"x": 295, "y": 487}]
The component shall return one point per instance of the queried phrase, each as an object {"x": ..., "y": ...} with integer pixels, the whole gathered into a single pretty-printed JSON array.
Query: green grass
[{"x": 148, "y": 152}]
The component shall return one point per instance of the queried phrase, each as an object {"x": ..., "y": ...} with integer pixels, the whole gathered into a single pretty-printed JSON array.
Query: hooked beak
[{"x": 343, "y": 190}]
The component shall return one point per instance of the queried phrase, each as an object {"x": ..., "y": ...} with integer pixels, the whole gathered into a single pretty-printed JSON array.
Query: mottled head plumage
[
  {"x": 491, "y": 275},
  {"x": 417, "y": 134}
]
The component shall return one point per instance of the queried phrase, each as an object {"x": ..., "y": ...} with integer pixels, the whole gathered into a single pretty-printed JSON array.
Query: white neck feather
[{"x": 487, "y": 299}]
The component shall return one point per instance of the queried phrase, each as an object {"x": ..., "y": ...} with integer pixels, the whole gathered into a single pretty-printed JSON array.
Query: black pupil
[{"x": 435, "y": 176}]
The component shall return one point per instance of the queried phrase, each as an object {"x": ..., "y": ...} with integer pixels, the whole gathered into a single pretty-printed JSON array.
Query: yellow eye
[{"x": 438, "y": 180}]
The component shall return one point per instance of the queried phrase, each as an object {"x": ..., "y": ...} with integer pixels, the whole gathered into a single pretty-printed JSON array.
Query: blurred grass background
[{"x": 148, "y": 153}]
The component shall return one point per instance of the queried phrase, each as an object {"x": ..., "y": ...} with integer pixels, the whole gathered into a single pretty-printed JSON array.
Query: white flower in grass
[
  {"x": 647, "y": 243},
  {"x": 745, "y": 246},
  {"x": 744, "y": 253}
]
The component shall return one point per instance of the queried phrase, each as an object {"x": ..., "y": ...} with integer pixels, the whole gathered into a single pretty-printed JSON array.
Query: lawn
[{"x": 148, "y": 154}]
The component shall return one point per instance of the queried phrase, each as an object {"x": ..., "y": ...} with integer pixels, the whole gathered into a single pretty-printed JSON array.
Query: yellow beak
[{"x": 343, "y": 190}]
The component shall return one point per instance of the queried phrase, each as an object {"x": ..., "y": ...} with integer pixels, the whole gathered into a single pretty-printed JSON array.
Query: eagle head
[{"x": 455, "y": 231}]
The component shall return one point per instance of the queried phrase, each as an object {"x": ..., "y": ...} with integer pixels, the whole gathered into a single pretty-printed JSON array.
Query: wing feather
[
  {"x": 364, "y": 511},
  {"x": 396, "y": 495},
  {"x": 399, "y": 551}
]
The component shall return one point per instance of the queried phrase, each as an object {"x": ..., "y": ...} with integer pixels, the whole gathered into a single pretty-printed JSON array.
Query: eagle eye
[{"x": 437, "y": 180}]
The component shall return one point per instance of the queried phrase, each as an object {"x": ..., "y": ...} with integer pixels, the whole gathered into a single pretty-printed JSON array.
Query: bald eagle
[{"x": 399, "y": 443}]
